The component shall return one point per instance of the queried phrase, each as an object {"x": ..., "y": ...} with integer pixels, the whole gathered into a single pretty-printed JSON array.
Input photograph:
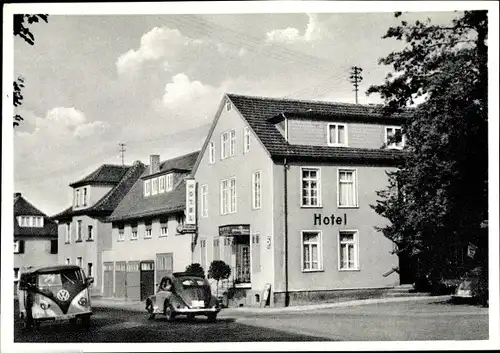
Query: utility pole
[
  {"x": 355, "y": 79},
  {"x": 122, "y": 151}
]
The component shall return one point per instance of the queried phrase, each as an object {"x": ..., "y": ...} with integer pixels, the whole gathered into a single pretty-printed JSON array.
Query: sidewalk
[{"x": 140, "y": 306}]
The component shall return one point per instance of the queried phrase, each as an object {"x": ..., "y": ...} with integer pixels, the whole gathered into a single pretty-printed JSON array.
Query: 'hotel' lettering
[{"x": 320, "y": 220}]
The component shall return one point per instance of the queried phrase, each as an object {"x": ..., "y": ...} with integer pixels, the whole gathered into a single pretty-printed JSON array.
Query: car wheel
[
  {"x": 150, "y": 309},
  {"x": 86, "y": 321},
  {"x": 169, "y": 312},
  {"x": 190, "y": 317},
  {"x": 211, "y": 317}
]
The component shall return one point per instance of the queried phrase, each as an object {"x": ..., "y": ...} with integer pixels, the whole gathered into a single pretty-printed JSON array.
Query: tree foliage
[
  {"x": 195, "y": 269},
  {"x": 219, "y": 270},
  {"x": 439, "y": 196},
  {"x": 22, "y": 29}
]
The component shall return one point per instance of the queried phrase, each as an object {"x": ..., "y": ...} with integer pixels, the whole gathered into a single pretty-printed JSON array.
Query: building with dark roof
[
  {"x": 147, "y": 238},
  {"x": 83, "y": 232},
  {"x": 35, "y": 236},
  {"x": 284, "y": 194}
]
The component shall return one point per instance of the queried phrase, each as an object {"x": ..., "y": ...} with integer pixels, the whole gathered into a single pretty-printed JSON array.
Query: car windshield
[
  {"x": 193, "y": 282},
  {"x": 61, "y": 279}
]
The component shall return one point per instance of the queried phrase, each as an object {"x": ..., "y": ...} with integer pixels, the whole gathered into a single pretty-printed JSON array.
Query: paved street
[{"x": 422, "y": 320}]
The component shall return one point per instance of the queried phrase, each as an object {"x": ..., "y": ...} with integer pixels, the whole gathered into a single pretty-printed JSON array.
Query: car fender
[{"x": 152, "y": 300}]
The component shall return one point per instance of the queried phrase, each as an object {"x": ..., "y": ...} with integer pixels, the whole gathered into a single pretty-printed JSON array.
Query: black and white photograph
[{"x": 268, "y": 175}]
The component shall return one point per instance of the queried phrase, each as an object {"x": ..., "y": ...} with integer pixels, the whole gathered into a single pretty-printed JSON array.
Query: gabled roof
[
  {"x": 108, "y": 202},
  {"x": 262, "y": 114},
  {"x": 105, "y": 174},
  {"x": 134, "y": 205},
  {"x": 182, "y": 164},
  {"x": 24, "y": 208}
]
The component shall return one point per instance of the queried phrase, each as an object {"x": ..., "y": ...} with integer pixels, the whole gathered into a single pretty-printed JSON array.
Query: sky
[{"x": 154, "y": 82}]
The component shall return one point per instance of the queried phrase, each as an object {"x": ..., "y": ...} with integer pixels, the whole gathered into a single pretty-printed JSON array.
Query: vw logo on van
[{"x": 62, "y": 295}]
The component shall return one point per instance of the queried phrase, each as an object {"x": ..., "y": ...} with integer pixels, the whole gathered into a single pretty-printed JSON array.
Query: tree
[
  {"x": 195, "y": 269},
  {"x": 21, "y": 29},
  {"x": 439, "y": 195},
  {"x": 219, "y": 270}
]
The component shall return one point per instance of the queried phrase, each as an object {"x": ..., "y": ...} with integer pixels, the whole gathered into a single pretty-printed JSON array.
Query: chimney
[{"x": 154, "y": 163}]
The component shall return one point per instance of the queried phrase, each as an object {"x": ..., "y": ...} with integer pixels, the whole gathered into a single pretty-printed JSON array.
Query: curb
[{"x": 139, "y": 306}]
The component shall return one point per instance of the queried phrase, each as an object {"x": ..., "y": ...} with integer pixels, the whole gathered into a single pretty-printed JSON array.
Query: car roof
[{"x": 48, "y": 269}]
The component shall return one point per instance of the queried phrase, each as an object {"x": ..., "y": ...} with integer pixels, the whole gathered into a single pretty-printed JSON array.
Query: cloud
[
  {"x": 181, "y": 90},
  {"x": 313, "y": 31}
]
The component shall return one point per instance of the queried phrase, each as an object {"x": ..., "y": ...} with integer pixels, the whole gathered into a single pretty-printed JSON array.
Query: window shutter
[{"x": 21, "y": 246}]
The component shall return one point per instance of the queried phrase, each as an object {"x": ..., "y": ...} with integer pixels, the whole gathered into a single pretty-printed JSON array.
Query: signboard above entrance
[{"x": 234, "y": 230}]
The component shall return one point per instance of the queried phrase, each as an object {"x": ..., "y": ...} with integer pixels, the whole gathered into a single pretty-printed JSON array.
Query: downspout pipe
[{"x": 285, "y": 213}]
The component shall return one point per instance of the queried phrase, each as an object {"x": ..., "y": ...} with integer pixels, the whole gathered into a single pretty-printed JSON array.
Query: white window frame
[
  {"x": 161, "y": 184},
  {"x": 162, "y": 233},
  {"x": 256, "y": 192},
  {"x": 90, "y": 232},
  {"x": 232, "y": 196},
  {"x": 67, "y": 235},
  {"x": 133, "y": 234},
  {"x": 84, "y": 196},
  {"x": 232, "y": 143},
  {"x": 336, "y": 143},
  {"x": 227, "y": 195},
  {"x": 355, "y": 187},
  {"x": 211, "y": 152},
  {"x": 320, "y": 251},
  {"x": 320, "y": 204},
  {"x": 77, "y": 197},
  {"x": 147, "y": 187},
  {"x": 121, "y": 234},
  {"x": 228, "y": 105},
  {"x": 148, "y": 233},
  {"x": 16, "y": 246},
  {"x": 154, "y": 186},
  {"x": 204, "y": 200},
  {"x": 393, "y": 144},
  {"x": 224, "y": 145},
  {"x": 356, "y": 249},
  {"x": 246, "y": 139},
  {"x": 169, "y": 182}
]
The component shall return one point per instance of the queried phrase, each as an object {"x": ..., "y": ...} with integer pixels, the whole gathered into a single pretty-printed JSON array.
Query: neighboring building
[
  {"x": 284, "y": 195},
  {"x": 83, "y": 234},
  {"x": 145, "y": 243},
  {"x": 35, "y": 236}
]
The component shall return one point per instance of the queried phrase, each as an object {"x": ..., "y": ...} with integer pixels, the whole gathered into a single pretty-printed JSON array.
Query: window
[
  {"x": 164, "y": 231},
  {"x": 147, "y": 230},
  {"x": 16, "y": 274},
  {"x": 232, "y": 143},
  {"x": 348, "y": 249},
  {"x": 53, "y": 246},
  {"x": 246, "y": 139},
  {"x": 68, "y": 261},
  {"x": 224, "y": 145},
  {"x": 154, "y": 186},
  {"x": 337, "y": 135},
  {"x": 77, "y": 197},
  {"x": 89, "y": 269},
  {"x": 79, "y": 231},
  {"x": 228, "y": 196},
  {"x": 84, "y": 196},
  {"x": 203, "y": 253},
  {"x": 211, "y": 152},
  {"x": 256, "y": 190},
  {"x": 90, "y": 233},
  {"x": 180, "y": 220},
  {"x": 121, "y": 233},
  {"x": 147, "y": 187},
  {"x": 170, "y": 182},
  {"x": 16, "y": 246},
  {"x": 30, "y": 221},
  {"x": 347, "y": 188},
  {"x": 228, "y": 105},
  {"x": 133, "y": 234},
  {"x": 394, "y": 137},
  {"x": 204, "y": 201},
  {"x": 311, "y": 251},
  {"x": 162, "y": 184},
  {"x": 79, "y": 261},
  {"x": 67, "y": 235},
  {"x": 311, "y": 187}
]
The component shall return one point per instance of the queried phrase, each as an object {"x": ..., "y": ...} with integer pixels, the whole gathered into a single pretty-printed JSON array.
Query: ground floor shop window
[
  {"x": 311, "y": 251},
  {"x": 348, "y": 250}
]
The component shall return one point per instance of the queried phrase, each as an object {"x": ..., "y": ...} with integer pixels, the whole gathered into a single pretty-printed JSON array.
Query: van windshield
[{"x": 61, "y": 279}]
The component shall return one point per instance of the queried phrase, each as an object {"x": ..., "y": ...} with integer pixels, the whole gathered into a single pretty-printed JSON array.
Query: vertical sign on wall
[{"x": 190, "y": 201}]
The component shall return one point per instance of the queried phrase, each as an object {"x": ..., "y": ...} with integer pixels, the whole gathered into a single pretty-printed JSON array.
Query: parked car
[
  {"x": 183, "y": 294},
  {"x": 54, "y": 293}
]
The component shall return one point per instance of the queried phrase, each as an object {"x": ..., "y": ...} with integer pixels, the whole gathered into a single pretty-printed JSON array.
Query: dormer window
[
  {"x": 84, "y": 196},
  {"x": 337, "y": 135},
  {"x": 154, "y": 186},
  {"x": 147, "y": 187},
  {"x": 170, "y": 182},
  {"x": 77, "y": 197},
  {"x": 161, "y": 184},
  {"x": 30, "y": 221},
  {"x": 394, "y": 137}
]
